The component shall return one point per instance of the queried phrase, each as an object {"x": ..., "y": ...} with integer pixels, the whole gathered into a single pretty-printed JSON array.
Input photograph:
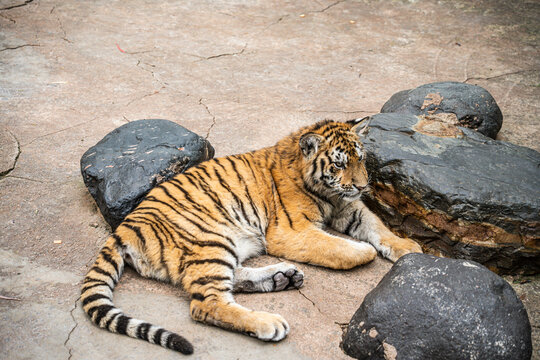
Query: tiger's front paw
[
  {"x": 288, "y": 278},
  {"x": 403, "y": 247}
]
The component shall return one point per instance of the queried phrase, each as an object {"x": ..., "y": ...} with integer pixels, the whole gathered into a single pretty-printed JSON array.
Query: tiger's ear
[
  {"x": 361, "y": 125},
  {"x": 309, "y": 143}
]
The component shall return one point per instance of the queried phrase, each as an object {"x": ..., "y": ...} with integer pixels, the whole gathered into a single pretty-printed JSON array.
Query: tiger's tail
[{"x": 96, "y": 298}]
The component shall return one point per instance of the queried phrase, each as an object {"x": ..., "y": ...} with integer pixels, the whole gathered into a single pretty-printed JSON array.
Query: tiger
[{"x": 293, "y": 200}]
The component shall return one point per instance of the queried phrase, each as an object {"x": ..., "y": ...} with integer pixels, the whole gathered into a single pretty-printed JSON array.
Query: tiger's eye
[{"x": 339, "y": 165}]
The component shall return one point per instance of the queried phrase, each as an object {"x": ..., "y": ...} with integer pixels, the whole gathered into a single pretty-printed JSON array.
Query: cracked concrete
[
  {"x": 26, "y": 2},
  {"x": 209, "y": 113},
  {"x": 70, "y": 72},
  {"x": 9, "y": 152}
]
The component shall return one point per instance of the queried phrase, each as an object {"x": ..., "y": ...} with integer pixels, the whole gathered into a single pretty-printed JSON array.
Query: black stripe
[
  {"x": 307, "y": 217},
  {"x": 244, "y": 158},
  {"x": 218, "y": 204},
  {"x": 225, "y": 289},
  {"x": 203, "y": 169},
  {"x": 142, "y": 331},
  {"x": 314, "y": 168},
  {"x": 208, "y": 279},
  {"x": 209, "y": 213},
  {"x": 137, "y": 231},
  {"x": 246, "y": 189},
  {"x": 110, "y": 321},
  {"x": 198, "y": 296},
  {"x": 322, "y": 164},
  {"x": 308, "y": 188},
  {"x": 350, "y": 224},
  {"x": 358, "y": 222},
  {"x": 102, "y": 310},
  {"x": 213, "y": 195},
  {"x": 314, "y": 198},
  {"x": 169, "y": 340},
  {"x": 226, "y": 186},
  {"x": 157, "y": 336},
  {"x": 159, "y": 223},
  {"x": 193, "y": 180},
  {"x": 164, "y": 228},
  {"x": 211, "y": 261},
  {"x": 89, "y": 279},
  {"x": 107, "y": 257},
  {"x": 102, "y": 272},
  {"x": 94, "y": 297},
  {"x": 198, "y": 207},
  {"x": 122, "y": 324},
  {"x": 281, "y": 203},
  {"x": 101, "y": 283},
  {"x": 117, "y": 241}
]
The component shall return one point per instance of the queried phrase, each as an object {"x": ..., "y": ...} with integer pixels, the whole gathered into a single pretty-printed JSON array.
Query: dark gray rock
[
  {"x": 434, "y": 308},
  {"x": 474, "y": 107},
  {"x": 457, "y": 192},
  {"x": 121, "y": 168}
]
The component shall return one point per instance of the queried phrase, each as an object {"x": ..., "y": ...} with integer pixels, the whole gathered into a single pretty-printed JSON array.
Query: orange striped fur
[{"x": 196, "y": 229}]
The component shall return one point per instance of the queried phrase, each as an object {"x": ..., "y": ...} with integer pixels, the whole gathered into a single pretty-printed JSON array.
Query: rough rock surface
[
  {"x": 458, "y": 192},
  {"x": 436, "y": 308},
  {"x": 473, "y": 106},
  {"x": 121, "y": 168}
]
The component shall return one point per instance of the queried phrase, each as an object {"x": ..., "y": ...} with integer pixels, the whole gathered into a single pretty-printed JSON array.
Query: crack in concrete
[
  {"x": 500, "y": 75},
  {"x": 6, "y": 173},
  {"x": 64, "y": 37},
  {"x": 18, "y": 47},
  {"x": 145, "y": 96},
  {"x": 209, "y": 113},
  {"x": 273, "y": 23},
  {"x": 311, "y": 301},
  {"x": 221, "y": 55},
  {"x": 139, "y": 62},
  {"x": 28, "y": 179},
  {"x": 72, "y": 329},
  {"x": 18, "y": 5},
  {"x": 326, "y": 8},
  {"x": 7, "y": 17},
  {"x": 58, "y": 131}
]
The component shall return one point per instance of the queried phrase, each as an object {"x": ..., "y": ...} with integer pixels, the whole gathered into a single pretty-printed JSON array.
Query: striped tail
[{"x": 96, "y": 297}]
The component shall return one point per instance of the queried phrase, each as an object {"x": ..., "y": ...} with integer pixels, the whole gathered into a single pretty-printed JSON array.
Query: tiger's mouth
[{"x": 353, "y": 193}]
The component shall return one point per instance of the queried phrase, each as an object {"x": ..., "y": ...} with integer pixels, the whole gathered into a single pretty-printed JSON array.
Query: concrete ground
[{"x": 244, "y": 74}]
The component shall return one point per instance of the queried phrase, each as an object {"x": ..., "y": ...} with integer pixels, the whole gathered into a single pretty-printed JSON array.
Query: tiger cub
[{"x": 196, "y": 229}]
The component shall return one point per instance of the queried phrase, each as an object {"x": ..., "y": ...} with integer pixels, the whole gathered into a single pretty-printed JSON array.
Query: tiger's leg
[
  {"x": 357, "y": 221},
  {"x": 275, "y": 277},
  {"x": 212, "y": 302},
  {"x": 311, "y": 244}
]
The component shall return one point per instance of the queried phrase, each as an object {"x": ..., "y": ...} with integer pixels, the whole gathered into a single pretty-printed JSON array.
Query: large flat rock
[{"x": 459, "y": 193}]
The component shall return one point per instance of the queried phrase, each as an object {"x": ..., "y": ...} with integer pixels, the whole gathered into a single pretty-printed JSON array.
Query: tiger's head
[{"x": 334, "y": 159}]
